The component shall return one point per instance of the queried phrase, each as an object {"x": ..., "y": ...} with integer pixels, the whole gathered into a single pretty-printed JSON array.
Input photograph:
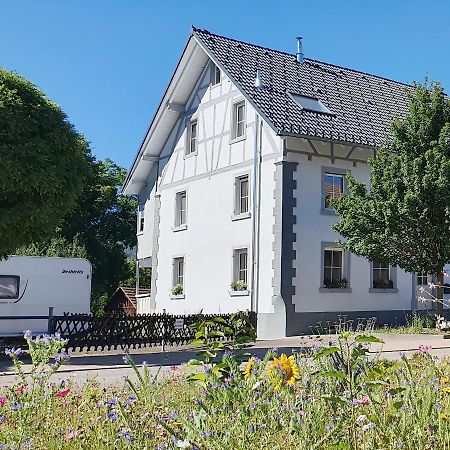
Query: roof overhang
[{"x": 183, "y": 81}]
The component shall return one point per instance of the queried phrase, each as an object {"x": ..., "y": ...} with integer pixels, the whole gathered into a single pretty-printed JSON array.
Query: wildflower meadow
[{"x": 327, "y": 397}]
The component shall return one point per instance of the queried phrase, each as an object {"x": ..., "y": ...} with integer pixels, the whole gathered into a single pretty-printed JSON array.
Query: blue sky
[{"x": 107, "y": 62}]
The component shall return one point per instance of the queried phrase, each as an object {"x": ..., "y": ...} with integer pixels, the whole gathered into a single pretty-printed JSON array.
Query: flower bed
[{"x": 333, "y": 397}]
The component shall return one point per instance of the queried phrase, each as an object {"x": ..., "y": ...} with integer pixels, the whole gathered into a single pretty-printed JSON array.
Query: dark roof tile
[{"x": 364, "y": 105}]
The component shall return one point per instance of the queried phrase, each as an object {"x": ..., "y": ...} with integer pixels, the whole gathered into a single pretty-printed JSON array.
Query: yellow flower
[
  {"x": 445, "y": 380},
  {"x": 248, "y": 368},
  {"x": 442, "y": 416},
  {"x": 283, "y": 370},
  {"x": 446, "y": 390}
]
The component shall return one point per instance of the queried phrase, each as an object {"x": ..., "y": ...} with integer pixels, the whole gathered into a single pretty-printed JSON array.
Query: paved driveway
[{"x": 110, "y": 369}]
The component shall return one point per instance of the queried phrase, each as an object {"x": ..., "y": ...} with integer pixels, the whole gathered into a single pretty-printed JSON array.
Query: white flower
[
  {"x": 183, "y": 444},
  {"x": 256, "y": 385},
  {"x": 361, "y": 418}
]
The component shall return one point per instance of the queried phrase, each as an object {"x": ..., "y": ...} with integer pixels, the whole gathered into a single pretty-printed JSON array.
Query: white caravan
[{"x": 29, "y": 285}]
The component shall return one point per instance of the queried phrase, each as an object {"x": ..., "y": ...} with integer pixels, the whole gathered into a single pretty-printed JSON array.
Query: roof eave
[
  {"x": 126, "y": 188},
  {"x": 335, "y": 141}
]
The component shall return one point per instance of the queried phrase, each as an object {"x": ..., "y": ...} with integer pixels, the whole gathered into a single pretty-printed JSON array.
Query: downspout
[
  {"x": 137, "y": 261},
  {"x": 256, "y": 213}
]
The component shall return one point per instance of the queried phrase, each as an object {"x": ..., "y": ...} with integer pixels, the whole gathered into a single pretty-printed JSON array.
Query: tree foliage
[
  {"x": 404, "y": 219},
  {"x": 56, "y": 246},
  {"x": 105, "y": 223},
  {"x": 43, "y": 164}
]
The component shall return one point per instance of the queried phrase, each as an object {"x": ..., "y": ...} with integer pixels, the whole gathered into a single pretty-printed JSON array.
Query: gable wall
[{"x": 208, "y": 177}]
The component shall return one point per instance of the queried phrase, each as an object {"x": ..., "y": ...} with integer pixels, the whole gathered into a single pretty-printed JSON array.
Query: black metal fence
[{"x": 87, "y": 332}]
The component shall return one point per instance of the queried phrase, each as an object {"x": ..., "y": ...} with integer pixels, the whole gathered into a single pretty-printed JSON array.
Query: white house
[{"x": 234, "y": 178}]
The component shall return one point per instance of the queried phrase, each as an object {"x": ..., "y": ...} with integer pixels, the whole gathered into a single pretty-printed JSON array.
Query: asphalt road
[{"x": 109, "y": 369}]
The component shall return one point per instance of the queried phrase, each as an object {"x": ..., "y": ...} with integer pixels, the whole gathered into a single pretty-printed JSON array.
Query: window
[
  {"x": 238, "y": 128},
  {"x": 9, "y": 286},
  {"x": 333, "y": 187},
  {"x": 192, "y": 137},
  {"x": 181, "y": 209},
  {"x": 241, "y": 265},
  {"x": 333, "y": 269},
  {"x": 381, "y": 276},
  {"x": 242, "y": 195},
  {"x": 178, "y": 271},
  {"x": 141, "y": 219},
  {"x": 215, "y": 75},
  {"x": 311, "y": 104},
  {"x": 422, "y": 279}
]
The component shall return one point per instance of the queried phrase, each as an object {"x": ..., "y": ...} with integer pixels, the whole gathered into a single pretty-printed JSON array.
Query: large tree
[
  {"x": 42, "y": 164},
  {"x": 105, "y": 223},
  {"x": 404, "y": 218}
]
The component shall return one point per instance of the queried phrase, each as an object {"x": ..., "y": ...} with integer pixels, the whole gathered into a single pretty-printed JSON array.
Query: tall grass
[{"x": 334, "y": 397}]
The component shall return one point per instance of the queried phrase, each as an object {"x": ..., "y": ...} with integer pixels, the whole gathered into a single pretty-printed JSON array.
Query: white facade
[
  {"x": 212, "y": 231},
  {"x": 192, "y": 157}
]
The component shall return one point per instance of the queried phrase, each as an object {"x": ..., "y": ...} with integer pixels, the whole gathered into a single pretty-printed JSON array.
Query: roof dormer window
[{"x": 311, "y": 104}]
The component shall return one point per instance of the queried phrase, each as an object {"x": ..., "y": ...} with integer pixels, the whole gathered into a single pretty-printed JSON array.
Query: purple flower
[
  {"x": 16, "y": 406},
  {"x": 112, "y": 401},
  {"x": 251, "y": 429},
  {"x": 126, "y": 358},
  {"x": 329, "y": 427},
  {"x": 228, "y": 354},
  {"x": 13, "y": 352},
  {"x": 28, "y": 442},
  {"x": 425, "y": 349},
  {"x": 62, "y": 357},
  {"x": 205, "y": 434},
  {"x": 112, "y": 416},
  {"x": 27, "y": 334}
]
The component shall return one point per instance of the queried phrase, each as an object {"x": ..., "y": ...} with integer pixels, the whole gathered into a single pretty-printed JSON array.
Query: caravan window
[{"x": 9, "y": 286}]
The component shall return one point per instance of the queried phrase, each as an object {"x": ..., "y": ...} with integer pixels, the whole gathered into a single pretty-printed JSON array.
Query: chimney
[
  {"x": 299, "y": 55},
  {"x": 258, "y": 80}
]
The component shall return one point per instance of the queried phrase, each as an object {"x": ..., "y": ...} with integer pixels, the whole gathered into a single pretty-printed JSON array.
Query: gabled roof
[{"x": 363, "y": 105}]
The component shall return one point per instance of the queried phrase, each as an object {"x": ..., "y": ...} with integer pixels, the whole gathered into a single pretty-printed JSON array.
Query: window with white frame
[
  {"x": 333, "y": 268},
  {"x": 422, "y": 279},
  {"x": 178, "y": 271},
  {"x": 333, "y": 187},
  {"x": 180, "y": 208},
  {"x": 238, "y": 126},
  {"x": 241, "y": 265},
  {"x": 192, "y": 137},
  {"x": 381, "y": 276},
  {"x": 9, "y": 286},
  {"x": 241, "y": 195},
  {"x": 215, "y": 75}
]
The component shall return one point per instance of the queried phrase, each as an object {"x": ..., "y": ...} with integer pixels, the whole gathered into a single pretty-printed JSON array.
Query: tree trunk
[{"x": 440, "y": 294}]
